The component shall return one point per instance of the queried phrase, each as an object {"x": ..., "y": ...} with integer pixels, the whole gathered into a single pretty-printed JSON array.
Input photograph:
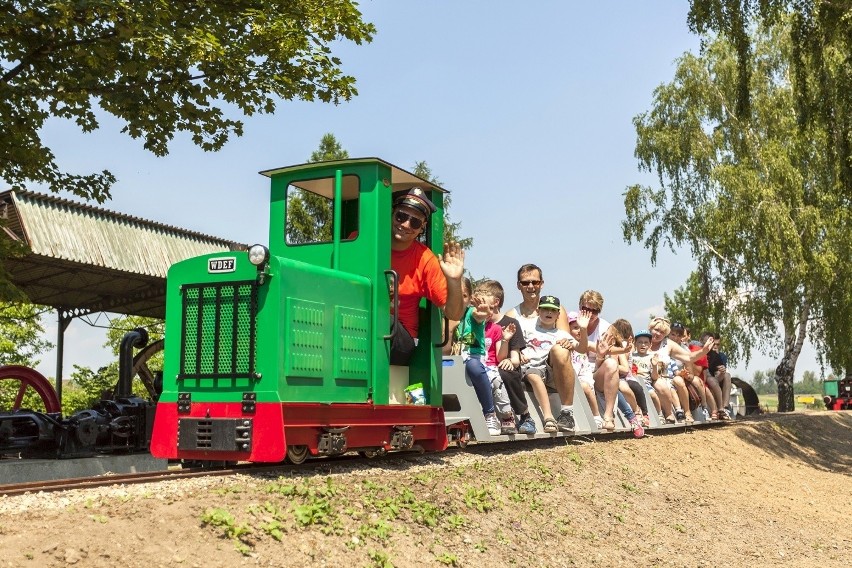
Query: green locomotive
[{"x": 285, "y": 351}]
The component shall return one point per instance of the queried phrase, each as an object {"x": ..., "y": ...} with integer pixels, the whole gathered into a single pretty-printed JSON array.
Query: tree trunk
[
  {"x": 794, "y": 338},
  {"x": 784, "y": 379}
]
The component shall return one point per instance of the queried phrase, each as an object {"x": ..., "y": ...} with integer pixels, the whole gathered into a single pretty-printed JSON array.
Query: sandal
[
  {"x": 670, "y": 419},
  {"x": 550, "y": 425},
  {"x": 609, "y": 424},
  {"x": 714, "y": 415},
  {"x": 689, "y": 420}
]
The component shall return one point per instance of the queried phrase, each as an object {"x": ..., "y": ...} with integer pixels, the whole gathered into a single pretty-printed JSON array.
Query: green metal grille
[{"x": 219, "y": 330}]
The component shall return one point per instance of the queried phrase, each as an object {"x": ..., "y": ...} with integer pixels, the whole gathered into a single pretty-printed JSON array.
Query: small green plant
[
  {"x": 576, "y": 459},
  {"x": 629, "y": 487},
  {"x": 378, "y": 529},
  {"x": 448, "y": 559},
  {"x": 679, "y": 528},
  {"x": 478, "y": 499},
  {"x": 380, "y": 559},
  {"x": 313, "y": 513},
  {"x": 480, "y": 546},
  {"x": 224, "y": 520},
  {"x": 424, "y": 478},
  {"x": 425, "y": 513},
  {"x": 456, "y": 521},
  {"x": 273, "y": 528}
]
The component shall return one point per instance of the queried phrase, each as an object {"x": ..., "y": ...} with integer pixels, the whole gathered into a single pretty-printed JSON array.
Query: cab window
[{"x": 310, "y": 212}]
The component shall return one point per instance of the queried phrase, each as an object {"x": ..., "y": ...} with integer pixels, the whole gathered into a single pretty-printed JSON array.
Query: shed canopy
[{"x": 86, "y": 259}]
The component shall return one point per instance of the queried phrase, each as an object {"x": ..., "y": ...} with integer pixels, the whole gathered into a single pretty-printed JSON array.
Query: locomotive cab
[{"x": 286, "y": 350}]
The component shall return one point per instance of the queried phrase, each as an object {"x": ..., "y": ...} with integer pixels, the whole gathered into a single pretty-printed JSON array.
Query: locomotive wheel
[
  {"x": 463, "y": 439},
  {"x": 370, "y": 454},
  {"x": 297, "y": 454},
  {"x": 30, "y": 379}
]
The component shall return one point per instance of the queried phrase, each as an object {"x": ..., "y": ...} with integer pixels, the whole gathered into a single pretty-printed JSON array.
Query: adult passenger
[
  {"x": 421, "y": 273},
  {"x": 530, "y": 282}
]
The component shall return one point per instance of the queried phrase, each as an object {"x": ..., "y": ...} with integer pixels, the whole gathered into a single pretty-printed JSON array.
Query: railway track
[{"x": 8, "y": 490}]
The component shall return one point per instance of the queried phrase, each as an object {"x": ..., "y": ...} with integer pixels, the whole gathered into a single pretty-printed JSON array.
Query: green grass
[{"x": 770, "y": 403}]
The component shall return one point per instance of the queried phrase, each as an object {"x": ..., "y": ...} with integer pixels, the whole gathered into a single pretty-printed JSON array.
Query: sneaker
[
  {"x": 598, "y": 422},
  {"x": 679, "y": 415},
  {"x": 527, "y": 426},
  {"x": 565, "y": 421},
  {"x": 723, "y": 415},
  {"x": 706, "y": 414},
  {"x": 493, "y": 424},
  {"x": 507, "y": 426},
  {"x": 638, "y": 431}
]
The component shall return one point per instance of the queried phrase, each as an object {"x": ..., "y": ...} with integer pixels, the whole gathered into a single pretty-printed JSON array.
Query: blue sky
[{"x": 525, "y": 115}]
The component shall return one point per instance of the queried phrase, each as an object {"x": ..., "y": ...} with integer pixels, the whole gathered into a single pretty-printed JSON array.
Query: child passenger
[
  {"x": 540, "y": 338},
  {"x": 583, "y": 368},
  {"x": 470, "y": 333}
]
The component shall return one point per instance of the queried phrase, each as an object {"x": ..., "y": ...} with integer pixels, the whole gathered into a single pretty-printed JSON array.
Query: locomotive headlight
[{"x": 258, "y": 255}]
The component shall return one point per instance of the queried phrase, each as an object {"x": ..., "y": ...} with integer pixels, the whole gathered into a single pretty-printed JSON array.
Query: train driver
[{"x": 421, "y": 273}]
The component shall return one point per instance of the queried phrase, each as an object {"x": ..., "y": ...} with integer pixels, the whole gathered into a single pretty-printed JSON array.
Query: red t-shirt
[
  {"x": 702, "y": 361},
  {"x": 420, "y": 276}
]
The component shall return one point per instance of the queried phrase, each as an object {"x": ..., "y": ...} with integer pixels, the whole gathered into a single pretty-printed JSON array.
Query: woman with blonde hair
[{"x": 665, "y": 350}]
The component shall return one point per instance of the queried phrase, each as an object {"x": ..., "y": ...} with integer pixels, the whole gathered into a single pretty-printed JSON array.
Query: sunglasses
[
  {"x": 413, "y": 221},
  {"x": 529, "y": 282},
  {"x": 594, "y": 311}
]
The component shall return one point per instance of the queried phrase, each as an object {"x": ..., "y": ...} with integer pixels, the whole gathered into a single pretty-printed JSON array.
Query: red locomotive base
[{"x": 277, "y": 425}]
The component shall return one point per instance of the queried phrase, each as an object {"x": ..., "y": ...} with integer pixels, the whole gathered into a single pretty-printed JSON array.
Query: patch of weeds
[
  {"x": 562, "y": 527},
  {"x": 576, "y": 459},
  {"x": 448, "y": 559},
  {"x": 679, "y": 528},
  {"x": 619, "y": 517},
  {"x": 273, "y": 528},
  {"x": 459, "y": 472},
  {"x": 424, "y": 478},
  {"x": 501, "y": 538},
  {"x": 629, "y": 487},
  {"x": 480, "y": 546},
  {"x": 389, "y": 507},
  {"x": 456, "y": 521},
  {"x": 227, "y": 490},
  {"x": 224, "y": 520},
  {"x": 378, "y": 530},
  {"x": 379, "y": 559},
  {"x": 316, "y": 512},
  {"x": 425, "y": 513},
  {"x": 478, "y": 499},
  {"x": 99, "y": 518}
]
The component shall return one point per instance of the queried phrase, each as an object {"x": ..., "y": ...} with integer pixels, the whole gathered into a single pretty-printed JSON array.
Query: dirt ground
[{"x": 770, "y": 492}]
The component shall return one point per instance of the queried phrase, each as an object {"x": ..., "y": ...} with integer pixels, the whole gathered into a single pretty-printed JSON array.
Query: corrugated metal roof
[{"x": 92, "y": 259}]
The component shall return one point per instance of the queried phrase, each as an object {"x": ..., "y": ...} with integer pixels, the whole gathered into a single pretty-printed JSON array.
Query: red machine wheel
[{"x": 30, "y": 378}]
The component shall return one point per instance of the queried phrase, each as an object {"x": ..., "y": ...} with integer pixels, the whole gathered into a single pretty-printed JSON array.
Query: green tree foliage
[
  {"x": 451, "y": 229},
  {"x": 87, "y": 387},
  {"x": 751, "y": 196},
  {"x": 21, "y": 333},
  {"x": 21, "y": 343},
  {"x": 310, "y": 216},
  {"x": 820, "y": 51},
  {"x": 763, "y": 382},
  {"x": 810, "y": 384},
  {"x": 162, "y": 68}
]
